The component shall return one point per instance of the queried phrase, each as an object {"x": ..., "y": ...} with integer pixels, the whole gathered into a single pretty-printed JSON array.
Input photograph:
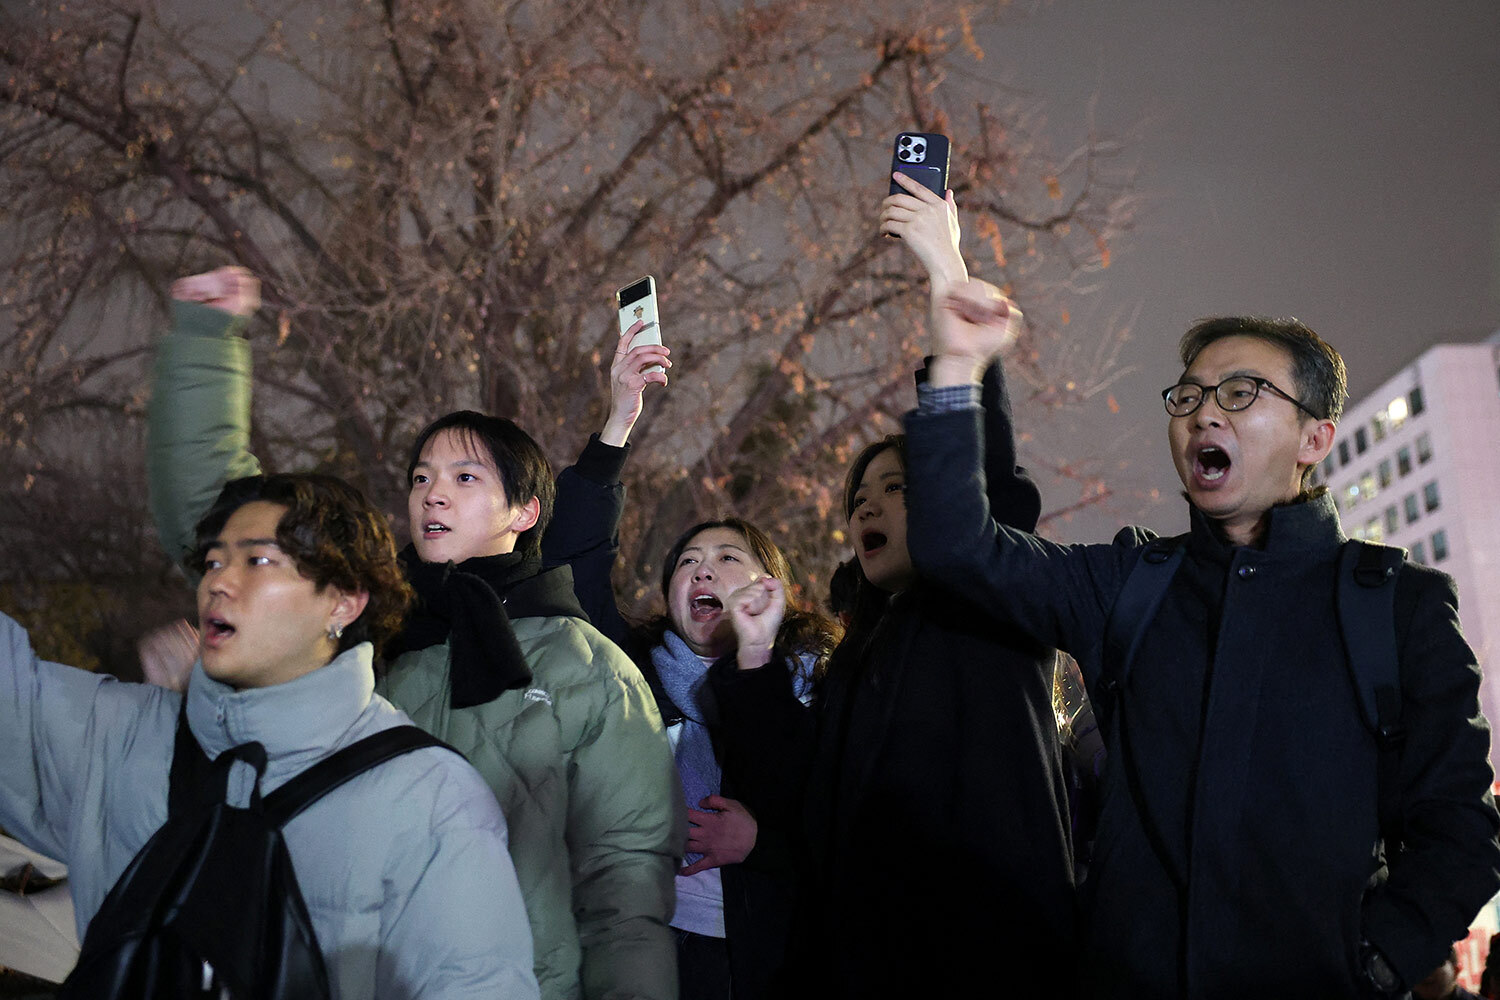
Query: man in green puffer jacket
[{"x": 498, "y": 660}]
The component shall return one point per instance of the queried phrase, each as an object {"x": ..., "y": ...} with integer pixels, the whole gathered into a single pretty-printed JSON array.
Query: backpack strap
[
  {"x": 1135, "y": 607},
  {"x": 193, "y": 781},
  {"x": 1366, "y": 591},
  {"x": 332, "y": 771}
]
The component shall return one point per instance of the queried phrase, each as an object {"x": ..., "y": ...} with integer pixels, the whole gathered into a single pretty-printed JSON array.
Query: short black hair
[
  {"x": 523, "y": 468},
  {"x": 1320, "y": 382},
  {"x": 333, "y": 535}
]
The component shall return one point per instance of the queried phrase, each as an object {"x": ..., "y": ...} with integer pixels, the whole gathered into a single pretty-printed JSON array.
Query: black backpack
[{"x": 210, "y": 908}]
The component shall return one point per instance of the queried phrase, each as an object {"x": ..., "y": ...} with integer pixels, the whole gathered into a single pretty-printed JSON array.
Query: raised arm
[
  {"x": 198, "y": 420},
  {"x": 928, "y": 227},
  {"x": 585, "y": 528},
  {"x": 1057, "y": 595},
  {"x": 54, "y": 722},
  {"x": 1013, "y": 495}
]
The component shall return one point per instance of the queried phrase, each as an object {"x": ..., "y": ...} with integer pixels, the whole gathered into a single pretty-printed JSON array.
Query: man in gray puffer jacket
[{"x": 404, "y": 868}]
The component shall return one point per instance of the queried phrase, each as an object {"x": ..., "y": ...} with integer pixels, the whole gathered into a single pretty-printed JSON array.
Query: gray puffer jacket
[{"x": 404, "y": 868}]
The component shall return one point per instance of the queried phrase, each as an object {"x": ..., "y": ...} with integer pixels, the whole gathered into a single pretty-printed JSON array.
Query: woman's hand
[
  {"x": 756, "y": 611},
  {"x": 628, "y": 379},
  {"x": 928, "y": 225},
  {"x": 721, "y": 830}
]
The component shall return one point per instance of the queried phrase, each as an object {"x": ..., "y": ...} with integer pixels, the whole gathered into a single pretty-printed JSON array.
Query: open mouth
[
  {"x": 434, "y": 528},
  {"x": 1212, "y": 463},
  {"x": 704, "y": 607},
  {"x": 872, "y": 542},
  {"x": 216, "y": 631}
]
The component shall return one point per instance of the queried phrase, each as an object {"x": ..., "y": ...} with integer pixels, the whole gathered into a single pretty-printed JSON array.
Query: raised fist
[{"x": 230, "y": 289}]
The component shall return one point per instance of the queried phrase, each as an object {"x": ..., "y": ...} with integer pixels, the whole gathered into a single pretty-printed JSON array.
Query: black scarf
[{"x": 465, "y": 605}]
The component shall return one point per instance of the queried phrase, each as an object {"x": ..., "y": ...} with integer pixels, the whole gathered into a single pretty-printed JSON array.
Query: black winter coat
[
  {"x": 938, "y": 858},
  {"x": 1252, "y": 762}
]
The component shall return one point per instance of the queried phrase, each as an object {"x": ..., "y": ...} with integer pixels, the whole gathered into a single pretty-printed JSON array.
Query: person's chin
[
  {"x": 436, "y": 550},
  {"x": 220, "y": 667},
  {"x": 711, "y": 641}
]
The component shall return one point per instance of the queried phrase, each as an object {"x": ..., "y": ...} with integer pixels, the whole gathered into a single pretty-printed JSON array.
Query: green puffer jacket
[{"x": 579, "y": 760}]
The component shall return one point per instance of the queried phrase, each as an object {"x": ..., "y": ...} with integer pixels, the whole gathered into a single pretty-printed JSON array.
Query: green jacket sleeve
[
  {"x": 626, "y": 830},
  {"x": 198, "y": 420}
]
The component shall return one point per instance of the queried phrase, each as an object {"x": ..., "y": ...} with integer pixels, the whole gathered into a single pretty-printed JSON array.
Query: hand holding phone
[
  {"x": 639, "y": 359},
  {"x": 928, "y": 224},
  {"x": 637, "y": 304},
  {"x": 922, "y": 156}
]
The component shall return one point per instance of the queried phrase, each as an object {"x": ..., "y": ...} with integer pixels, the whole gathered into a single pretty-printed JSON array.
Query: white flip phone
[{"x": 637, "y": 301}]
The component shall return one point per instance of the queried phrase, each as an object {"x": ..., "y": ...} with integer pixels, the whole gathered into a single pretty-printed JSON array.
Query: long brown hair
[{"x": 803, "y": 631}]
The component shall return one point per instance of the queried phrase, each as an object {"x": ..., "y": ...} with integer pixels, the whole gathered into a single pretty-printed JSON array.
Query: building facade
[{"x": 1417, "y": 464}]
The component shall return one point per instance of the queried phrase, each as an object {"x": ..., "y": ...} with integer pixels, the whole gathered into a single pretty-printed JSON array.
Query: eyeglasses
[{"x": 1232, "y": 394}]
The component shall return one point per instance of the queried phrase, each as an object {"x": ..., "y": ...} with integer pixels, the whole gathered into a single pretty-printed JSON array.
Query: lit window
[
  {"x": 1377, "y": 424},
  {"x": 1392, "y": 520},
  {"x": 1430, "y": 497},
  {"x": 1419, "y": 554},
  {"x": 1367, "y": 486},
  {"x": 1351, "y": 496},
  {"x": 1410, "y": 505},
  {"x": 1424, "y": 449},
  {"x": 1372, "y": 530},
  {"x": 1384, "y": 473},
  {"x": 1439, "y": 545},
  {"x": 1403, "y": 460},
  {"x": 1417, "y": 406},
  {"x": 1396, "y": 412}
]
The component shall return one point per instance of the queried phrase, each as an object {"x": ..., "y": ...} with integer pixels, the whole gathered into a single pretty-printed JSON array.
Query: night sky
[{"x": 1338, "y": 162}]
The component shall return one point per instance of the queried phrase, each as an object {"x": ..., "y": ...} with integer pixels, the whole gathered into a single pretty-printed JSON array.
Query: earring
[{"x": 335, "y": 631}]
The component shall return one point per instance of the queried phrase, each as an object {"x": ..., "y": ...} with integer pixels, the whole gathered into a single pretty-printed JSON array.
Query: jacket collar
[
  {"x": 549, "y": 594},
  {"x": 1301, "y": 527},
  {"x": 297, "y": 722}
]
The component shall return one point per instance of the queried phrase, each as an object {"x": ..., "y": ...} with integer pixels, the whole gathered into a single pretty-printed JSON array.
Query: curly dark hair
[
  {"x": 802, "y": 630},
  {"x": 333, "y": 535}
]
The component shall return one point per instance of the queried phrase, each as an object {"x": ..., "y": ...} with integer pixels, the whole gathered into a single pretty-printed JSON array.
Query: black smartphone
[
  {"x": 922, "y": 156},
  {"x": 637, "y": 301}
]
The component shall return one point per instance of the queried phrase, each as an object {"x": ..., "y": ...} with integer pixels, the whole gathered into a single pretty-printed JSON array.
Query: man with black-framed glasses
[{"x": 1248, "y": 845}]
